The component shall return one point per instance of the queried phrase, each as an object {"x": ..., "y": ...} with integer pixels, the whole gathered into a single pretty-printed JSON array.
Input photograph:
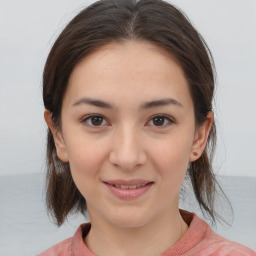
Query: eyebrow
[{"x": 144, "y": 106}]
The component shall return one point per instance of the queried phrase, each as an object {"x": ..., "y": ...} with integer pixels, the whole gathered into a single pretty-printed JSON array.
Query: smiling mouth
[
  {"x": 128, "y": 190},
  {"x": 129, "y": 186}
]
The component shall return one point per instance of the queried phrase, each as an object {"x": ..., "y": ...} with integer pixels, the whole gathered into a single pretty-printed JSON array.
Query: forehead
[{"x": 126, "y": 71}]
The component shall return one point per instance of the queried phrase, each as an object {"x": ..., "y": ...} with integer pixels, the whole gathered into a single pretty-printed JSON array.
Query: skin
[{"x": 128, "y": 144}]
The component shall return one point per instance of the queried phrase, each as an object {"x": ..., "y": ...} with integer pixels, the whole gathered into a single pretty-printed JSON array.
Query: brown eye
[
  {"x": 161, "y": 121},
  {"x": 96, "y": 120},
  {"x": 93, "y": 120},
  {"x": 158, "y": 121}
]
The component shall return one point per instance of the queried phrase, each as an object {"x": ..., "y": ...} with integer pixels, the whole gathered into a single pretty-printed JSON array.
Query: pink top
[{"x": 199, "y": 240}]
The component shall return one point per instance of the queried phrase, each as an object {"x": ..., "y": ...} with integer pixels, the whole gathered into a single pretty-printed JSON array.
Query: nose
[{"x": 127, "y": 151}]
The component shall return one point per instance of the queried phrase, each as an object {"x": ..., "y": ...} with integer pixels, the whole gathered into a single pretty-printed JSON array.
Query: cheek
[
  {"x": 85, "y": 159},
  {"x": 171, "y": 158}
]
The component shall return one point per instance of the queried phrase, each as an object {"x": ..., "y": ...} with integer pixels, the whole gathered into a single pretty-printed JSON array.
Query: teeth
[
  {"x": 124, "y": 186},
  {"x": 129, "y": 187}
]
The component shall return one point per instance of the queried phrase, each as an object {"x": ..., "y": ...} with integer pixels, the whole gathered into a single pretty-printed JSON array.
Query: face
[{"x": 128, "y": 132}]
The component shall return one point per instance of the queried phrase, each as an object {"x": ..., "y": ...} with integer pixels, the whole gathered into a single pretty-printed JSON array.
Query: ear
[
  {"x": 57, "y": 136},
  {"x": 201, "y": 137}
]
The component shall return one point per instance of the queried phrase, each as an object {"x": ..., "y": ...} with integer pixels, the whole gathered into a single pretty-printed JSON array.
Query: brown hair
[{"x": 104, "y": 21}]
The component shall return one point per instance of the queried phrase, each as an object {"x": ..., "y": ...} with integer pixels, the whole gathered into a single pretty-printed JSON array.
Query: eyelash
[{"x": 166, "y": 117}]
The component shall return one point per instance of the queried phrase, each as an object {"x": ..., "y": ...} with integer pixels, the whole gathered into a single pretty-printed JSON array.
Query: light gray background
[{"x": 28, "y": 29}]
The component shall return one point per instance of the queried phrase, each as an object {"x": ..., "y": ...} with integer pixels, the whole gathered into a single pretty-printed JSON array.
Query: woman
[{"x": 128, "y": 89}]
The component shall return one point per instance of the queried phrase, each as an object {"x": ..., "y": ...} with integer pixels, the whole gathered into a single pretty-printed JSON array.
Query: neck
[{"x": 150, "y": 239}]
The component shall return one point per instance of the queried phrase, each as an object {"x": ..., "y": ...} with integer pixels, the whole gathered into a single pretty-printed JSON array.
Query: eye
[
  {"x": 96, "y": 120},
  {"x": 161, "y": 120},
  {"x": 93, "y": 120}
]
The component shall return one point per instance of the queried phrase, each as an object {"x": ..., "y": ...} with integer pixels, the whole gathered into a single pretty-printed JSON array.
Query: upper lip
[{"x": 128, "y": 182}]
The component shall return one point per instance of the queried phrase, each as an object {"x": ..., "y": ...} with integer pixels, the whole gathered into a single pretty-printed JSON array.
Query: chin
[{"x": 126, "y": 220}]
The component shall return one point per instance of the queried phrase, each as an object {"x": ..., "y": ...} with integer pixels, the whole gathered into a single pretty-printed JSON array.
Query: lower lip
[{"x": 129, "y": 193}]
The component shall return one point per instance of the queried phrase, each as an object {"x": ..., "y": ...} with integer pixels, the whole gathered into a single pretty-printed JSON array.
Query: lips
[
  {"x": 128, "y": 184},
  {"x": 131, "y": 189}
]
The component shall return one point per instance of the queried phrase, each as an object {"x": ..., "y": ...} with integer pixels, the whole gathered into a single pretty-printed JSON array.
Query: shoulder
[
  {"x": 214, "y": 244},
  {"x": 225, "y": 247},
  {"x": 201, "y": 240},
  {"x": 62, "y": 248},
  {"x": 72, "y": 245}
]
